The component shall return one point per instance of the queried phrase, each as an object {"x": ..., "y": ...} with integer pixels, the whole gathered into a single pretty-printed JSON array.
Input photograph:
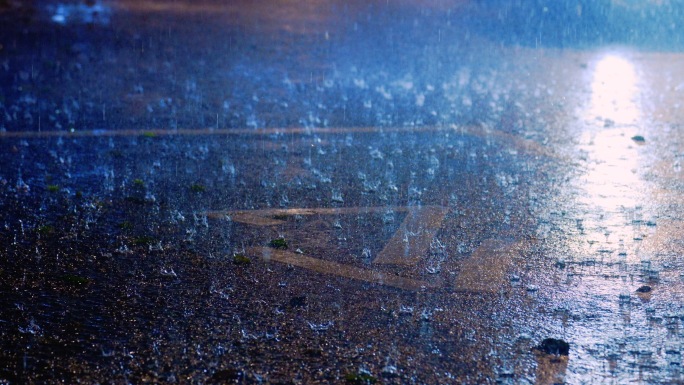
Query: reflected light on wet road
[
  {"x": 610, "y": 181},
  {"x": 614, "y": 90},
  {"x": 619, "y": 248},
  {"x": 612, "y": 189}
]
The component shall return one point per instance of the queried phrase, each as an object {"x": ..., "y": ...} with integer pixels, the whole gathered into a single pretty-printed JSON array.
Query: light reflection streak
[
  {"x": 612, "y": 189},
  {"x": 614, "y": 91},
  {"x": 612, "y": 177},
  {"x": 613, "y": 203}
]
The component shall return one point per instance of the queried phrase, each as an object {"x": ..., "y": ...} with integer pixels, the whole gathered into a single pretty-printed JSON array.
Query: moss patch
[
  {"x": 143, "y": 241},
  {"x": 126, "y": 225},
  {"x": 197, "y": 188},
  {"x": 75, "y": 280},
  {"x": 45, "y": 230},
  {"x": 135, "y": 200},
  {"x": 278, "y": 243},
  {"x": 360, "y": 378},
  {"x": 241, "y": 259}
]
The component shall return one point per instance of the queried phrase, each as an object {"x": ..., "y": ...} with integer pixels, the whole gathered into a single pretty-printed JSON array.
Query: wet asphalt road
[{"x": 339, "y": 192}]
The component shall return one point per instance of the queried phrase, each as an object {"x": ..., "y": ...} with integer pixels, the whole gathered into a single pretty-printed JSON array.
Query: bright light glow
[
  {"x": 614, "y": 91},
  {"x": 612, "y": 189}
]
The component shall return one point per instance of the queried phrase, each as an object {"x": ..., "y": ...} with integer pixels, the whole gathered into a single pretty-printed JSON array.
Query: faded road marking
[
  {"x": 418, "y": 229},
  {"x": 475, "y": 131},
  {"x": 487, "y": 269},
  {"x": 516, "y": 142},
  {"x": 408, "y": 245},
  {"x": 220, "y": 132},
  {"x": 411, "y": 241},
  {"x": 269, "y": 217},
  {"x": 342, "y": 270}
]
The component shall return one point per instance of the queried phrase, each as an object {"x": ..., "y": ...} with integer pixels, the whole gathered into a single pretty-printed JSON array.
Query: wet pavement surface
[{"x": 340, "y": 192}]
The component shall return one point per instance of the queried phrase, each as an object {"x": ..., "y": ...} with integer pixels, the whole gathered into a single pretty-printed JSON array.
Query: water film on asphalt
[{"x": 353, "y": 192}]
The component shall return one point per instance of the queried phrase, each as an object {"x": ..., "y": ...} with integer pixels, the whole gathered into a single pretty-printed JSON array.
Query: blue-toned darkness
[{"x": 584, "y": 23}]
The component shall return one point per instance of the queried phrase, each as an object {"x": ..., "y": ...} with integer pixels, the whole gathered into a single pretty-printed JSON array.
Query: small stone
[
  {"x": 299, "y": 301},
  {"x": 554, "y": 346},
  {"x": 639, "y": 139},
  {"x": 313, "y": 352},
  {"x": 644, "y": 289},
  {"x": 226, "y": 375}
]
